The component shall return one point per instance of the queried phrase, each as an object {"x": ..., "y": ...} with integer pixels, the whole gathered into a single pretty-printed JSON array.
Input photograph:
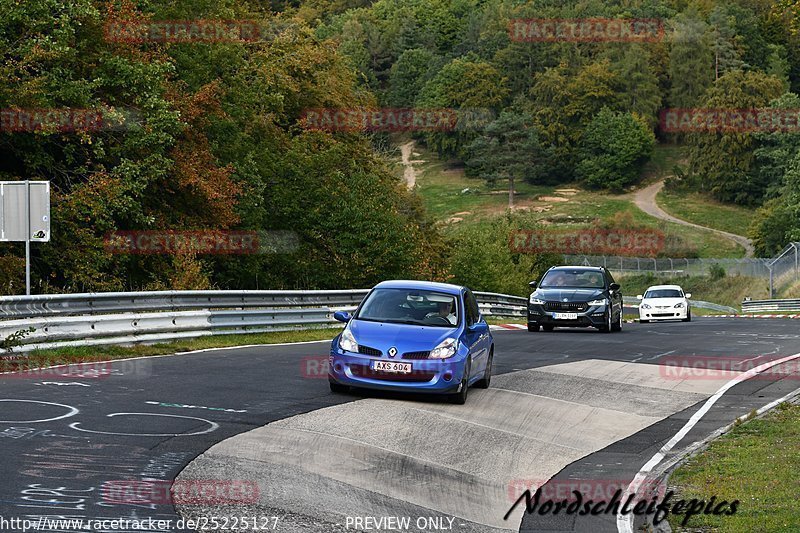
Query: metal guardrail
[
  {"x": 767, "y": 306},
  {"x": 634, "y": 302},
  {"x": 119, "y": 318}
]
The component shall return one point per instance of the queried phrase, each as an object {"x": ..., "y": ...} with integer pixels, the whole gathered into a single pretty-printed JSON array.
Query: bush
[
  {"x": 716, "y": 272},
  {"x": 482, "y": 259}
]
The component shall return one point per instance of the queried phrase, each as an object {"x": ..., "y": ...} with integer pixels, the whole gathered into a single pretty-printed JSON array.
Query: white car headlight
[
  {"x": 347, "y": 342},
  {"x": 645, "y": 306},
  {"x": 601, "y": 301},
  {"x": 537, "y": 301},
  {"x": 446, "y": 348},
  {"x": 679, "y": 305}
]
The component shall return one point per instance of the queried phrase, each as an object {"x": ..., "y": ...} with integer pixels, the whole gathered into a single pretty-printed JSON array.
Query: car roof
[
  {"x": 578, "y": 267},
  {"x": 657, "y": 287},
  {"x": 426, "y": 285}
]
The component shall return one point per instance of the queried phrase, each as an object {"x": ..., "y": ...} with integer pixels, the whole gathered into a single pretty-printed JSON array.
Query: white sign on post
[
  {"x": 14, "y": 207},
  {"x": 25, "y": 216}
]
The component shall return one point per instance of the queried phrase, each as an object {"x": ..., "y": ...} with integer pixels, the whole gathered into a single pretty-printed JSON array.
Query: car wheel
[
  {"x": 548, "y": 327},
  {"x": 487, "y": 375},
  {"x": 533, "y": 327},
  {"x": 460, "y": 398},
  {"x": 618, "y": 325},
  {"x": 606, "y": 328},
  {"x": 688, "y": 316},
  {"x": 338, "y": 388}
]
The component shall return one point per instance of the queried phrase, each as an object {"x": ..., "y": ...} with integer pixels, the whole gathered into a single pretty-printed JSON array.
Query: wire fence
[{"x": 754, "y": 267}]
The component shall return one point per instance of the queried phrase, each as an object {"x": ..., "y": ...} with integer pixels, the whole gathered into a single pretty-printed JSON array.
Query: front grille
[
  {"x": 366, "y": 350},
  {"x": 566, "y": 306},
  {"x": 416, "y": 355},
  {"x": 661, "y": 315},
  {"x": 363, "y": 371}
]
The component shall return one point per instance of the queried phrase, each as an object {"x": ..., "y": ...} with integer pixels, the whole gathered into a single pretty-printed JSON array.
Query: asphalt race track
[{"x": 567, "y": 407}]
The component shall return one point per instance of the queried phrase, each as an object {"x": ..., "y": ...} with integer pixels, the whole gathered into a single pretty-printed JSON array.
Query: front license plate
[
  {"x": 565, "y": 316},
  {"x": 391, "y": 366}
]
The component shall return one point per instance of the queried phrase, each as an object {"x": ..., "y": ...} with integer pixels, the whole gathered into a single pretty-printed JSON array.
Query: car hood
[
  {"x": 569, "y": 294},
  {"x": 404, "y": 337},
  {"x": 661, "y": 302}
]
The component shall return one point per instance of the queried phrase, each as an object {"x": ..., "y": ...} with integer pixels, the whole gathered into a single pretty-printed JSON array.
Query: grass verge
[
  {"x": 12, "y": 362},
  {"x": 728, "y": 290},
  {"x": 757, "y": 464},
  {"x": 699, "y": 209},
  {"x": 460, "y": 202}
]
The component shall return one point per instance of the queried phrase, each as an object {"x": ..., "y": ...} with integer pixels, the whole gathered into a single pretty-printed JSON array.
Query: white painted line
[{"x": 624, "y": 522}]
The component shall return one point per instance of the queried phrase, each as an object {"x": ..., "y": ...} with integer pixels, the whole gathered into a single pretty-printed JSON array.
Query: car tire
[
  {"x": 606, "y": 328},
  {"x": 688, "y": 316},
  {"x": 548, "y": 327},
  {"x": 460, "y": 398},
  {"x": 487, "y": 375},
  {"x": 533, "y": 327},
  {"x": 618, "y": 325},
  {"x": 338, "y": 388}
]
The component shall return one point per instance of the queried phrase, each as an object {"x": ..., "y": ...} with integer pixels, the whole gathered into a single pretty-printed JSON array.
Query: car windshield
[
  {"x": 584, "y": 279},
  {"x": 664, "y": 293},
  {"x": 410, "y": 306}
]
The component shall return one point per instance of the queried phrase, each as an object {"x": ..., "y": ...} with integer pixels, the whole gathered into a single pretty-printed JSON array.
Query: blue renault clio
[{"x": 413, "y": 336}]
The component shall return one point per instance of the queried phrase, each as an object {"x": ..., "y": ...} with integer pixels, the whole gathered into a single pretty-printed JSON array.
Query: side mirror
[
  {"x": 614, "y": 287},
  {"x": 532, "y": 284},
  {"x": 688, "y": 295},
  {"x": 342, "y": 316},
  {"x": 638, "y": 296}
]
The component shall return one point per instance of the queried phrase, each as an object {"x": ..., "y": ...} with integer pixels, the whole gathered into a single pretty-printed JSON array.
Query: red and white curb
[
  {"x": 508, "y": 326},
  {"x": 753, "y": 316}
]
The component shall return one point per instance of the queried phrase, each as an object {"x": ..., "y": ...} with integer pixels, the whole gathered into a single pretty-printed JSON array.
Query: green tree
[
  {"x": 409, "y": 75},
  {"x": 465, "y": 84},
  {"x": 613, "y": 149},
  {"x": 640, "y": 92},
  {"x": 691, "y": 61},
  {"x": 723, "y": 158},
  {"x": 508, "y": 149}
]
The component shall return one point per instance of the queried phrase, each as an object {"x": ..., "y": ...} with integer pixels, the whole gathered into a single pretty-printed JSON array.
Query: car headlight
[
  {"x": 347, "y": 342},
  {"x": 446, "y": 348},
  {"x": 679, "y": 305},
  {"x": 645, "y": 306},
  {"x": 537, "y": 301},
  {"x": 601, "y": 301}
]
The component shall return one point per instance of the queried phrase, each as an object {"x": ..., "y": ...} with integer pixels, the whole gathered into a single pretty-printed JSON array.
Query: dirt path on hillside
[
  {"x": 409, "y": 173},
  {"x": 645, "y": 199}
]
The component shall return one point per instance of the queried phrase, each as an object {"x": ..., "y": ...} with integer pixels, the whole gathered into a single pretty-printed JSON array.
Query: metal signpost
[{"x": 25, "y": 216}]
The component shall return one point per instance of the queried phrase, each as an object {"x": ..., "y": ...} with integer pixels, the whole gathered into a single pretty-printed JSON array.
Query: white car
[{"x": 664, "y": 302}]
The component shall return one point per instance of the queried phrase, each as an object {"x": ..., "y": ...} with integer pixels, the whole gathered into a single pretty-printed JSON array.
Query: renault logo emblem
[{"x": 392, "y": 351}]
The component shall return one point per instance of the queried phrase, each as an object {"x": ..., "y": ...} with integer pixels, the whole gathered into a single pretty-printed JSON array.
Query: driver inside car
[{"x": 445, "y": 311}]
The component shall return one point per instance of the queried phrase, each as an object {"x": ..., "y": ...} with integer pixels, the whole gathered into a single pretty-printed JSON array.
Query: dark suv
[{"x": 575, "y": 296}]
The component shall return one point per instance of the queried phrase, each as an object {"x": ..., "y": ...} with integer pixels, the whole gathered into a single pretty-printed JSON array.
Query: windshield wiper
[{"x": 409, "y": 322}]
